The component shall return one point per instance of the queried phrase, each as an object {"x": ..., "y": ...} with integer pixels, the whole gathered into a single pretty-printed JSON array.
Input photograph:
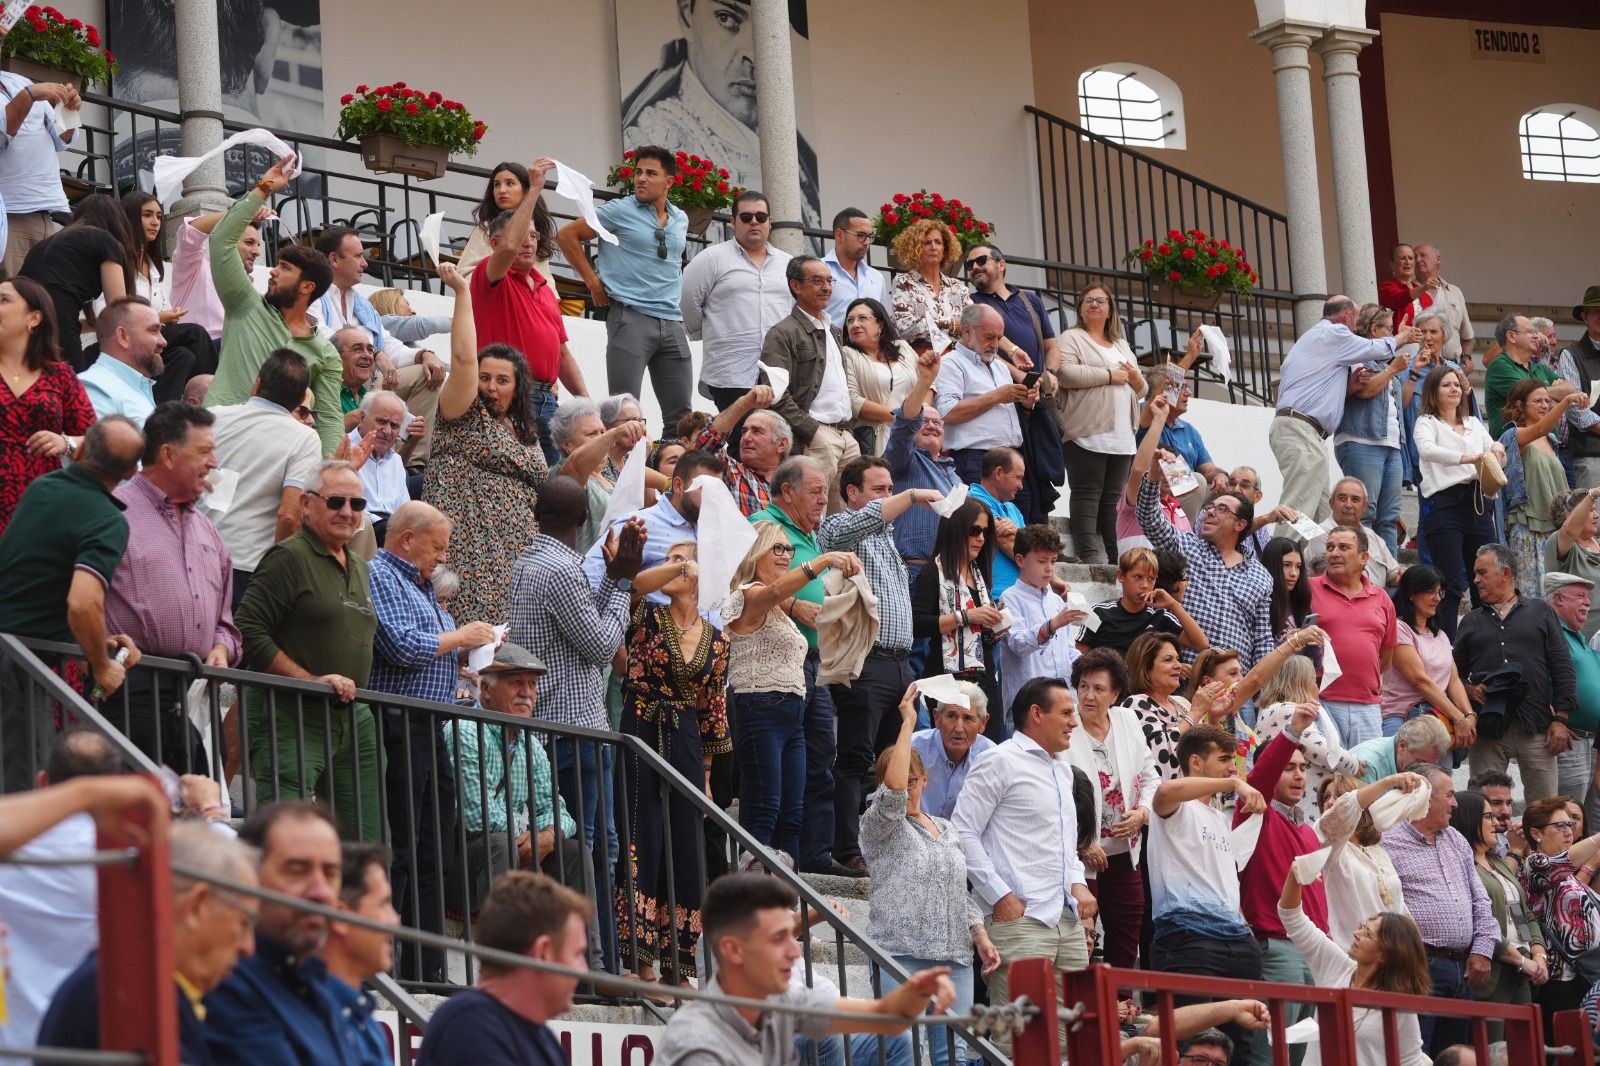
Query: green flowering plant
[{"x": 47, "y": 37}]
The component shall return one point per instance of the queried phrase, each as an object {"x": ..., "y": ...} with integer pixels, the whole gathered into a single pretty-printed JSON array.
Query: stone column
[
  {"x": 780, "y": 151},
  {"x": 200, "y": 101},
  {"x": 1357, "y": 262},
  {"x": 1290, "y": 42}
]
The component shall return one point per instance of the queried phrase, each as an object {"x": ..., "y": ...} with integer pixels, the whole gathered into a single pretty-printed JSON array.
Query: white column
[
  {"x": 200, "y": 100},
  {"x": 1290, "y": 42},
  {"x": 1357, "y": 262},
  {"x": 780, "y": 152}
]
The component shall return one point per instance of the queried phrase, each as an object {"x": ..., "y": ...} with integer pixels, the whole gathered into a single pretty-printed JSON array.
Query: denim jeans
[
  {"x": 939, "y": 1037},
  {"x": 1356, "y": 721},
  {"x": 817, "y": 823},
  {"x": 1283, "y": 964},
  {"x": 542, "y": 402},
  {"x": 769, "y": 740},
  {"x": 583, "y": 769},
  {"x": 1376, "y": 466},
  {"x": 1449, "y": 982},
  {"x": 864, "y": 1050}
]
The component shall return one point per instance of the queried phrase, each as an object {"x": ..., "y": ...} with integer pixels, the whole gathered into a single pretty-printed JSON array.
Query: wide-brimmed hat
[
  {"x": 512, "y": 658},
  {"x": 1591, "y": 300}
]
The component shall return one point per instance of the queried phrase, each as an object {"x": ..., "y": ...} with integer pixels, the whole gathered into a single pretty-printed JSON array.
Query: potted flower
[
  {"x": 47, "y": 46},
  {"x": 1193, "y": 270},
  {"x": 700, "y": 189},
  {"x": 906, "y": 209},
  {"x": 407, "y": 131}
]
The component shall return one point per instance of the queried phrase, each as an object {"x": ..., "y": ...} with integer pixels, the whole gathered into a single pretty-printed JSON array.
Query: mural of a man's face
[{"x": 721, "y": 47}]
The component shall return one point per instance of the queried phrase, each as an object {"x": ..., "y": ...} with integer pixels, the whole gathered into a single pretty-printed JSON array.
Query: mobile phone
[
  {"x": 1030, "y": 379},
  {"x": 1311, "y": 619}
]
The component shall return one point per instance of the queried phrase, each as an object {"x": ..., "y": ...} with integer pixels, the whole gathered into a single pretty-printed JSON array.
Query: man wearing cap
[
  {"x": 1579, "y": 363},
  {"x": 507, "y": 801},
  {"x": 1570, "y": 595}
]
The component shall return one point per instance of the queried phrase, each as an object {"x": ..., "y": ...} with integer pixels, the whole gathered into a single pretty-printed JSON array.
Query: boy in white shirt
[{"x": 1039, "y": 643}]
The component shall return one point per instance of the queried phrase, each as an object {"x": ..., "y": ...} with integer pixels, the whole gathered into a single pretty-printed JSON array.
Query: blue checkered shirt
[
  {"x": 407, "y": 660},
  {"x": 872, "y": 539},
  {"x": 575, "y": 629}
]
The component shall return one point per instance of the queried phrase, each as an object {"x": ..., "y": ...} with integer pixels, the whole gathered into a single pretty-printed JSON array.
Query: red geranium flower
[
  {"x": 399, "y": 85},
  {"x": 39, "y": 26},
  {"x": 76, "y": 24},
  {"x": 1175, "y": 276},
  {"x": 386, "y": 105},
  {"x": 361, "y": 88},
  {"x": 1165, "y": 248},
  {"x": 891, "y": 218},
  {"x": 411, "y": 107},
  {"x": 721, "y": 173},
  {"x": 625, "y": 172},
  {"x": 628, "y": 154},
  {"x": 901, "y": 198},
  {"x": 93, "y": 36},
  {"x": 722, "y": 186},
  {"x": 477, "y": 134},
  {"x": 1188, "y": 253},
  {"x": 346, "y": 98},
  {"x": 1175, "y": 234},
  {"x": 1147, "y": 255}
]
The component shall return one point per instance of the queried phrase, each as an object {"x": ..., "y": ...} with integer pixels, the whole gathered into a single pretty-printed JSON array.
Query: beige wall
[{"x": 1458, "y": 170}]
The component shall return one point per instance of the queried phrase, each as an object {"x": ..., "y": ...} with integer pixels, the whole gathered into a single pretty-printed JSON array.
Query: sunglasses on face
[
  {"x": 303, "y": 411},
  {"x": 978, "y": 261},
  {"x": 978, "y": 531},
  {"x": 336, "y": 503},
  {"x": 758, "y": 217}
]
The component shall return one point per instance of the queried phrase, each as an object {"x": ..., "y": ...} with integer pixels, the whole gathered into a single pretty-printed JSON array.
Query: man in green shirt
[
  {"x": 255, "y": 325},
  {"x": 308, "y": 615},
  {"x": 1519, "y": 339},
  {"x": 1569, "y": 595}
]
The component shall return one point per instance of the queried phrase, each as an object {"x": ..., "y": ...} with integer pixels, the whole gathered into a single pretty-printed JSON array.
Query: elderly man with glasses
[{"x": 853, "y": 277}]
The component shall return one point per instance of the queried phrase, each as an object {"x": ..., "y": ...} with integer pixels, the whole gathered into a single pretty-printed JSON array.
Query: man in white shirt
[
  {"x": 30, "y": 173},
  {"x": 810, "y": 348},
  {"x": 853, "y": 277},
  {"x": 976, "y": 392},
  {"x": 1449, "y": 301},
  {"x": 1039, "y": 642},
  {"x": 1019, "y": 830},
  {"x": 1348, "y": 504},
  {"x": 733, "y": 293},
  {"x": 383, "y": 473}
]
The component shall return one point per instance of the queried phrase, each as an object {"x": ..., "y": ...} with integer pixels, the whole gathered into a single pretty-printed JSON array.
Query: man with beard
[
  {"x": 674, "y": 518},
  {"x": 122, "y": 380},
  {"x": 255, "y": 325}
]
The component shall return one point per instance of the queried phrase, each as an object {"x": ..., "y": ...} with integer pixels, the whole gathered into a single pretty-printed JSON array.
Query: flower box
[
  {"x": 47, "y": 46},
  {"x": 407, "y": 131},
  {"x": 905, "y": 209},
  {"x": 37, "y": 72},
  {"x": 388, "y": 153},
  {"x": 1190, "y": 297},
  {"x": 1192, "y": 269}
]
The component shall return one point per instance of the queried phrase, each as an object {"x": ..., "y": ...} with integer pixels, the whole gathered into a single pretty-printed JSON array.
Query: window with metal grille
[
  {"x": 1561, "y": 142},
  {"x": 1132, "y": 105}
]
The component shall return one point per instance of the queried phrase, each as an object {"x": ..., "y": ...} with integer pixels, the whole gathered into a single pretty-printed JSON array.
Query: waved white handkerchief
[
  {"x": 1304, "y": 1031},
  {"x": 1308, "y": 867},
  {"x": 725, "y": 537},
  {"x": 224, "y": 483},
  {"x": 481, "y": 658},
  {"x": 628, "y": 494},
  {"x": 1078, "y": 600},
  {"x": 67, "y": 118},
  {"x": 942, "y": 688},
  {"x": 1217, "y": 345},
  {"x": 1244, "y": 838},
  {"x": 954, "y": 498},
  {"x": 1308, "y": 528},
  {"x": 1394, "y": 807},
  {"x": 1091, "y": 622},
  {"x": 1007, "y": 620},
  {"x": 580, "y": 190},
  {"x": 428, "y": 235},
  {"x": 1331, "y": 670},
  {"x": 778, "y": 379},
  {"x": 170, "y": 170}
]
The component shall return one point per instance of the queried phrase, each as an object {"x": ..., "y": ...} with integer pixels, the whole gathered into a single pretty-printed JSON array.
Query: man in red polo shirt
[
  {"x": 1359, "y": 619},
  {"x": 513, "y": 304}
]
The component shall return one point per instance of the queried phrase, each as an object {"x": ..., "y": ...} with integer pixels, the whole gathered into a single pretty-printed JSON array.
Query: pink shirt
[
  {"x": 191, "y": 281},
  {"x": 1361, "y": 629},
  {"x": 1400, "y": 695},
  {"x": 1128, "y": 522}
]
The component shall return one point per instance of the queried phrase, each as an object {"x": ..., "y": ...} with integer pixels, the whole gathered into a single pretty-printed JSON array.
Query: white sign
[{"x": 583, "y": 1043}]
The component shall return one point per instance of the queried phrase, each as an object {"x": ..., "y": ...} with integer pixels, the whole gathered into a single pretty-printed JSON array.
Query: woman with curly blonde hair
[{"x": 926, "y": 295}]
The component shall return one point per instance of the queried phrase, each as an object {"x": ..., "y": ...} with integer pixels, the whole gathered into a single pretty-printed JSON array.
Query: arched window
[
  {"x": 1132, "y": 105},
  {"x": 1561, "y": 142}
]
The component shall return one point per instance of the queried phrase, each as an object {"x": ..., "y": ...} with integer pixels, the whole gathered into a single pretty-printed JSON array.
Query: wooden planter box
[
  {"x": 35, "y": 71},
  {"x": 384, "y": 153},
  {"x": 700, "y": 220},
  {"x": 1165, "y": 294}
]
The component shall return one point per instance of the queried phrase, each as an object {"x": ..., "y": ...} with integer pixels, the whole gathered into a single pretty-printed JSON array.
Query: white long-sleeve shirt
[
  {"x": 729, "y": 303},
  {"x": 1022, "y": 656},
  {"x": 1440, "y": 448},
  {"x": 1019, "y": 829}
]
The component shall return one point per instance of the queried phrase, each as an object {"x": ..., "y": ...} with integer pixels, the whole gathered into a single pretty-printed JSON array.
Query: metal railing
[{"x": 380, "y": 763}]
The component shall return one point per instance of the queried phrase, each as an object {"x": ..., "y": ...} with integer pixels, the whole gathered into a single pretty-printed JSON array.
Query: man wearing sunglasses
[
  {"x": 1028, "y": 329},
  {"x": 733, "y": 293},
  {"x": 308, "y": 614},
  {"x": 853, "y": 277}
]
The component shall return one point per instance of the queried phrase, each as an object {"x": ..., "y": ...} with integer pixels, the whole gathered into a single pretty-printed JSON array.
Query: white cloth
[
  {"x": 943, "y": 688},
  {"x": 54, "y": 920},
  {"x": 271, "y": 452},
  {"x": 1191, "y": 862},
  {"x": 831, "y": 405},
  {"x": 1022, "y": 657},
  {"x": 1019, "y": 829},
  {"x": 576, "y": 187},
  {"x": 30, "y": 173},
  {"x": 963, "y": 375},
  {"x": 729, "y": 303},
  {"x": 627, "y": 495},
  {"x": 1358, "y": 879},
  {"x": 383, "y": 480},
  {"x": 727, "y": 535},
  {"x": 1440, "y": 448},
  {"x": 168, "y": 171},
  {"x": 1134, "y": 770}
]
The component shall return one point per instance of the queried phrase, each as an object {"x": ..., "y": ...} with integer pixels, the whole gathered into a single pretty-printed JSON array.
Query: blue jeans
[
  {"x": 769, "y": 740},
  {"x": 583, "y": 768},
  {"x": 1356, "y": 721},
  {"x": 1378, "y": 468},
  {"x": 1449, "y": 982},
  {"x": 863, "y": 1050},
  {"x": 939, "y": 1037},
  {"x": 542, "y": 402},
  {"x": 816, "y": 829}
]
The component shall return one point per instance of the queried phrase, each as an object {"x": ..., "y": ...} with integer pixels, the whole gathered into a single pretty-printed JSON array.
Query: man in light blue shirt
[
  {"x": 640, "y": 280},
  {"x": 1421, "y": 739},
  {"x": 30, "y": 173},
  {"x": 1311, "y": 392},
  {"x": 1002, "y": 479},
  {"x": 383, "y": 475},
  {"x": 121, "y": 381},
  {"x": 853, "y": 277},
  {"x": 951, "y": 748},
  {"x": 673, "y": 519},
  {"x": 977, "y": 393}
]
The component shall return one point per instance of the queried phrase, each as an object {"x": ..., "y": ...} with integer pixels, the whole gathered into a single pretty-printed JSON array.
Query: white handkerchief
[
  {"x": 197, "y": 705},
  {"x": 1394, "y": 807},
  {"x": 725, "y": 537},
  {"x": 580, "y": 190},
  {"x": 480, "y": 659},
  {"x": 67, "y": 118},
  {"x": 429, "y": 236},
  {"x": 778, "y": 378},
  {"x": 1331, "y": 670},
  {"x": 1077, "y": 599},
  {"x": 1307, "y": 868},
  {"x": 1007, "y": 620},
  {"x": 1307, "y": 528},
  {"x": 1304, "y": 1031},
  {"x": 942, "y": 688},
  {"x": 1243, "y": 839},
  {"x": 1594, "y": 393},
  {"x": 1217, "y": 345},
  {"x": 954, "y": 498},
  {"x": 170, "y": 170},
  {"x": 628, "y": 494},
  {"x": 1091, "y": 622},
  {"x": 224, "y": 483}
]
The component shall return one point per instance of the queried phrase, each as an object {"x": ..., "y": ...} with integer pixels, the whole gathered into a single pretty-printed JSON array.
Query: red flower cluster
[
  {"x": 904, "y": 210},
  {"x": 698, "y": 185},
  {"x": 417, "y": 116},
  {"x": 1195, "y": 259},
  {"x": 48, "y": 37}
]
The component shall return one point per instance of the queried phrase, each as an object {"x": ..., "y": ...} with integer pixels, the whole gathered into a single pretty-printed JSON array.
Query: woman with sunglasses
[
  {"x": 1567, "y": 908},
  {"x": 766, "y": 672},
  {"x": 950, "y": 602},
  {"x": 879, "y": 368}
]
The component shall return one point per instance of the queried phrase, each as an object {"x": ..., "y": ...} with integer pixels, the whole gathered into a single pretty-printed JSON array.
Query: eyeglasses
[
  {"x": 1092, "y": 300},
  {"x": 337, "y": 503},
  {"x": 860, "y": 234},
  {"x": 1363, "y": 931},
  {"x": 661, "y": 243},
  {"x": 783, "y": 549},
  {"x": 302, "y": 411},
  {"x": 748, "y": 217},
  {"x": 1220, "y": 509},
  {"x": 1203, "y": 1060},
  {"x": 978, "y": 531},
  {"x": 1560, "y": 827},
  {"x": 978, "y": 261}
]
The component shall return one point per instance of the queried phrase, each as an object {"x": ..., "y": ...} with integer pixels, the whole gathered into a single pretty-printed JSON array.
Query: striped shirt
[
  {"x": 872, "y": 539},
  {"x": 503, "y": 774},
  {"x": 406, "y": 658}
]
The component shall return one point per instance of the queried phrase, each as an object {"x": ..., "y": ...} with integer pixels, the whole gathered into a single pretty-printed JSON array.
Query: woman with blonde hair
[
  {"x": 1295, "y": 682},
  {"x": 766, "y": 672},
  {"x": 1100, "y": 388},
  {"x": 926, "y": 295}
]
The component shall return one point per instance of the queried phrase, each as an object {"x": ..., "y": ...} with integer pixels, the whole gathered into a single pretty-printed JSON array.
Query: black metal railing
[{"x": 392, "y": 769}]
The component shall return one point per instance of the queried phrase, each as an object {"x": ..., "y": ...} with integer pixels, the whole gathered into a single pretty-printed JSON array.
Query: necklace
[{"x": 1379, "y": 874}]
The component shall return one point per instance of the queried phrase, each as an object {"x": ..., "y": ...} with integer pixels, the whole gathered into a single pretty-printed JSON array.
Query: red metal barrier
[
  {"x": 138, "y": 996},
  {"x": 1572, "y": 1029}
]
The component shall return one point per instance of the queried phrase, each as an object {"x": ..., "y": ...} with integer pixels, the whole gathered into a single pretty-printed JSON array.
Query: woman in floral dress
[
  {"x": 675, "y": 700},
  {"x": 925, "y": 298}
]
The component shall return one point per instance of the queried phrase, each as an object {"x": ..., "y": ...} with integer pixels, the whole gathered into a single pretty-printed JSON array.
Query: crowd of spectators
[{"x": 890, "y": 680}]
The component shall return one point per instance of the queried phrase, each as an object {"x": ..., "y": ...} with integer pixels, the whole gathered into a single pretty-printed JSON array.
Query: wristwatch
[{"x": 625, "y": 584}]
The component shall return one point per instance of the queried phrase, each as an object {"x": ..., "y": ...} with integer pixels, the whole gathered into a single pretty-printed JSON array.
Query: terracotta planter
[
  {"x": 385, "y": 153},
  {"x": 700, "y": 220},
  {"x": 35, "y": 71},
  {"x": 1165, "y": 294}
]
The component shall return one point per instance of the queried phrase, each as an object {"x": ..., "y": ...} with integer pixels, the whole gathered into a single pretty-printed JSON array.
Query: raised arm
[
  {"x": 1546, "y": 425},
  {"x": 759, "y": 598},
  {"x": 1571, "y": 531},
  {"x": 516, "y": 232},
  {"x": 1171, "y": 793},
  {"x": 1143, "y": 459},
  {"x": 461, "y": 387}
]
